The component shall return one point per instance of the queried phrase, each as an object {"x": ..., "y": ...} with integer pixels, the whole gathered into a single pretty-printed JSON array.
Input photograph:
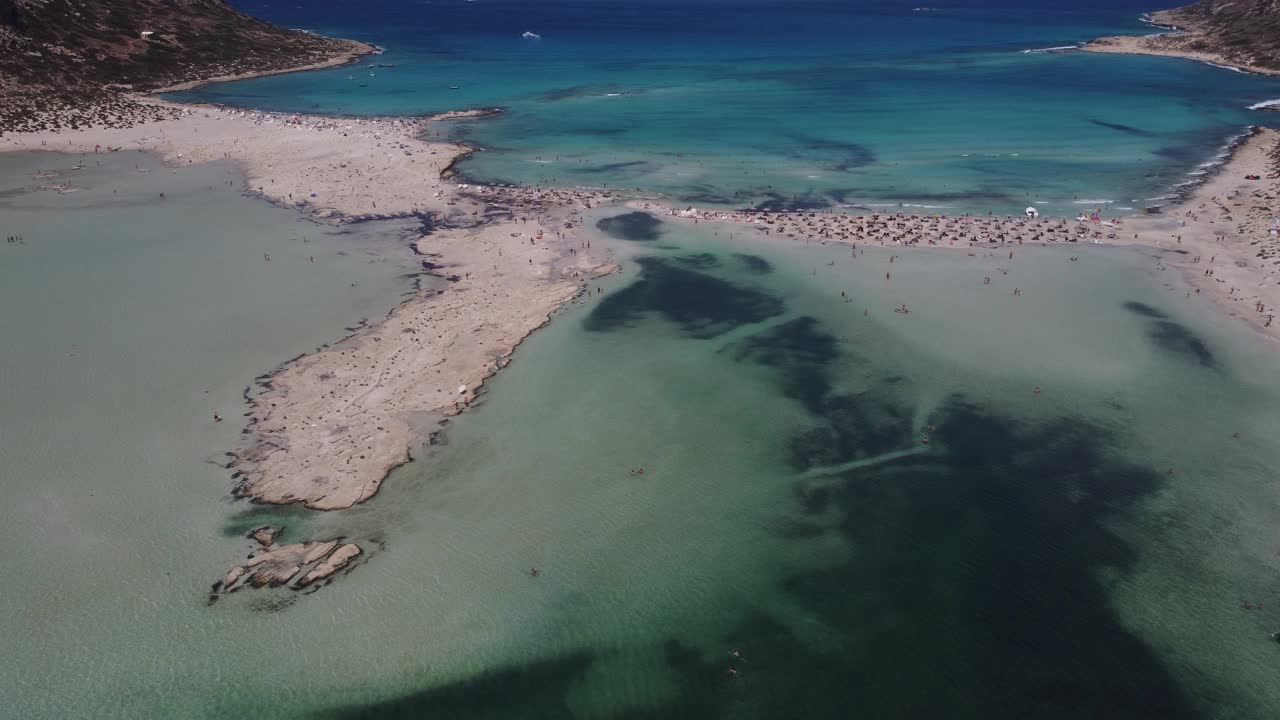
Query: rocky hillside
[
  {"x": 1242, "y": 32},
  {"x": 69, "y": 54}
]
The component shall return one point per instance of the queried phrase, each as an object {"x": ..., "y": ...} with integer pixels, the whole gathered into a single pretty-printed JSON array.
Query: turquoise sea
[
  {"x": 1093, "y": 506},
  {"x": 788, "y": 104}
]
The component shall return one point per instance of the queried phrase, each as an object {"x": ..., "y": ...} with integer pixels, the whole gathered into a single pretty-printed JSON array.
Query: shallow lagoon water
[
  {"x": 1034, "y": 559},
  {"x": 128, "y": 321}
]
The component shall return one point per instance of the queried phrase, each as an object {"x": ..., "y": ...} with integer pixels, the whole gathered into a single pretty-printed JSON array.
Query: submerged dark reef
[{"x": 637, "y": 226}]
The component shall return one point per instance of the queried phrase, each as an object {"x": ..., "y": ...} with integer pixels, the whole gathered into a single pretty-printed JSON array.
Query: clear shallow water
[
  {"x": 1033, "y": 560},
  {"x": 786, "y": 104},
  {"x": 128, "y": 321}
]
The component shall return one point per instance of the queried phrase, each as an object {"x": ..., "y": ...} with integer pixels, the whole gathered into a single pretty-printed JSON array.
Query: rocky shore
[
  {"x": 75, "y": 65},
  {"x": 298, "y": 566},
  {"x": 1237, "y": 34}
]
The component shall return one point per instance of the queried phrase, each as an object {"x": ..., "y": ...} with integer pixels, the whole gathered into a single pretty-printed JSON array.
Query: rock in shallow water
[
  {"x": 265, "y": 535},
  {"x": 295, "y": 566}
]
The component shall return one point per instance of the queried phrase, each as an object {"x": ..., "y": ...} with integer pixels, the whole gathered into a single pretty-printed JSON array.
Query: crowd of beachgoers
[{"x": 911, "y": 229}]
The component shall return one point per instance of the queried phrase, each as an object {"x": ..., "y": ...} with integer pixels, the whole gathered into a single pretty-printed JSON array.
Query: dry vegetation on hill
[
  {"x": 1242, "y": 32},
  {"x": 63, "y": 63}
]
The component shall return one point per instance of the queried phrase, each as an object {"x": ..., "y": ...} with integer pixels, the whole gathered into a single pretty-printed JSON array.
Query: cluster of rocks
[{"x": 296, "y": 566}]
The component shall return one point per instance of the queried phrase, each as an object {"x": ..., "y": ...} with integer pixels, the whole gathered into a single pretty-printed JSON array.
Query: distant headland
[
  {"x": 66, "y": 64},
  {"x": 1237, "y": 34}
]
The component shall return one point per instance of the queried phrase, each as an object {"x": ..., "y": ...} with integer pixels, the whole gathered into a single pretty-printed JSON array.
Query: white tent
[{"x": 1033, "y": 212}]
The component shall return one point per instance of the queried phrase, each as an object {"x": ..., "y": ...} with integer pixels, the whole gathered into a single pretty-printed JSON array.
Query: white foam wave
[
  {"x": 1264, "y": 104},
  {"x": 1149, "y": 21},
  {"x": 1227, "y": 67},
  {"x": 1057, "y": 49}
]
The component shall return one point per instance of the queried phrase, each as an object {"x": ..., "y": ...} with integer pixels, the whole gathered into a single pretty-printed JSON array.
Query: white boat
[{"x": 531, "y": 36}]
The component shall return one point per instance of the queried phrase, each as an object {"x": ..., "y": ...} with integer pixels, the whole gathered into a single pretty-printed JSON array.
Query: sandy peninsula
[{"x": 330, "y": 426}]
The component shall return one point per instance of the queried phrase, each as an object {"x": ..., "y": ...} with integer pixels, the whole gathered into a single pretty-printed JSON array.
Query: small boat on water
[
  {"x": 453, "y": 87},
  {"x": 531, "y": 36}
]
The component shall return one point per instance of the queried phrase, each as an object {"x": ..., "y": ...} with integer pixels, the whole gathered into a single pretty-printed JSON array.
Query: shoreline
[
  {"x": 1167, "y": 44},
  {"x": 355, "y": 52}
]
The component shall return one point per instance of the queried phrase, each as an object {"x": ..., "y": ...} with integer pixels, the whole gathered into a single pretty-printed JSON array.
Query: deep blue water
[{"x": 786, "y": 104}]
